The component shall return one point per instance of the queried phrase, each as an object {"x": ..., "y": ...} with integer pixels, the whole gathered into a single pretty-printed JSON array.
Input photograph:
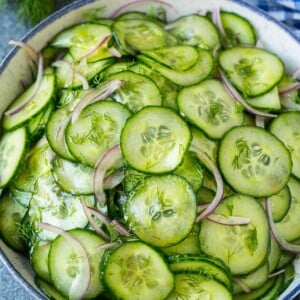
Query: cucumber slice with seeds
[
  {"x": 137, "y": 91},
  {"x": 154, "y": 140},
  {"x": 244, "y": 248},
  {"x": 210, "y": 107},
  {"x": 64, "y": 262},
  {"x": 253, "y": 71},
  {"x": 74, "y": 178},
  {"x": 96, "y": 130},
  {"x": 249, "y": 157},
  {"x": 136, "y": 271},
  {"x": 161, "y": 210}
]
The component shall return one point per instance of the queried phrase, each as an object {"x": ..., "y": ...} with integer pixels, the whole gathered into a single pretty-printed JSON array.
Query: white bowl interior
[{"x": 15, "y": 68}]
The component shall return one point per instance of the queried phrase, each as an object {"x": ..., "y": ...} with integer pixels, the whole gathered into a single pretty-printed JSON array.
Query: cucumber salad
[{"x": 154, "y": 159}]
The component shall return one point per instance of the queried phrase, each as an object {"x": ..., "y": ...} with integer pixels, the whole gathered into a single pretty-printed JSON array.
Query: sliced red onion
[
  {"x": 204, "y": 158},
  {"x": 289, "y": 104},
  {"x": 30, "y": 51},
  {"x": 100, "y": 93},
  {"x": 276, "y": 273},
  {"x": 228, "y": 220},
  {"x": 260, "y": 121},
  {"x": 289, "y": 89},
  {"x": 95, "y": 226},
  {"x": 201, "y": 207},
  {"x": 83, "y": 80},
  {"x": 133, "y": 4},
  {"x": 234, "y": 93},
  {"x": 98, "y": 46},
  {"x": 216, "y": 18},
  {"x": 282, "y": 243},
  {"x": 105, "y": 220},
  {"x": 107, "y": 245},
  {"x": 296, "y": 73},
  {"x": 81, "y": 283},
  {"x": 37, "y": 86},
  {"x": 242, "y": 284},
  {"x": 67, "y": 65},
  {"x": 109, "y": 160},
  {"x": 114, "y": 52},
  {"x": 113, "y": 179}
]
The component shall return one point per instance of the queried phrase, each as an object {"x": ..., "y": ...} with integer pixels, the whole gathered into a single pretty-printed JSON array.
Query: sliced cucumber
[
  {"x": 135, "y": 35},
  {"x": 51, "y": 205},
  {"x": 180, "y": 58},
  {"x": 11, "y": 215},
  {"x": 253, "y": 280},
  {"x": 288, "y": 227},
  {"x": 72, "y": 177},
  {"x": 71, "y": 74},
  {"x": 192, "y": 170},
  {"x": 207, "y": 145},
  {"x": 64, "y": 262},
  {"x": 39, "y": 260},
  {"x": 196, "y": 286},
  {"x": 31, "y": 102},
  {"x": 37, "y": 165},
  {"x": 209, "y": 106},
  {"x": 87, "y": 40},
  {"x": 208, "y": 266},
  {"x": 136, "y": 271},
  {"x": 97, "y": 129},
  {"x": 253, "y": 71},
  {"x": 48, "y": 290},
  {"x": 137, "y": 91},
  {"x": 239, "y": 31},
  {"x": 168, "y": 89},
  {"x": 286, "y": 128},
  {"x": 193, "y": 75},
  {"x": 161, "y": 210},
  {"x": 280, "y": 204},
  {"x": 195, "y": 30},
  {"x": 268, "y": 101},
  {"x": 249, "y": 157},
  {"x": 189, "y": 245},
  {"x": 244, "y": 248},
  {"x": 154, "y": 140},
  {"x": 13, "y": 146}
]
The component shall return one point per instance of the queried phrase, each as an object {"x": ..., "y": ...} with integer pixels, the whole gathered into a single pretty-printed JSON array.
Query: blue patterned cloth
[{"x": 286, "y": 11}]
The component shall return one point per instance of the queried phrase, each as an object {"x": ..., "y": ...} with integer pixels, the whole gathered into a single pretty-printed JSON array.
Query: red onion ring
[
  {"x": 98, "y": 46},
  {"x": 105, "y": 220},
  {"x": 230, "y": 220},
  {"x": 282, "y": 243},
  {"x": 234, "y": 93},
  {"x": 99, "y": 93},
  {"x": 289, "y": 89},
  {"x": 107, "y": 161},
  {"x": 93, "y": 223},
  {"x": 204, "y": 158}
]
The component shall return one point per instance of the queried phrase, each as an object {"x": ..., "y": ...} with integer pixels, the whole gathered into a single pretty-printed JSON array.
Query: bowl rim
[{"x": 56, "y": 15}]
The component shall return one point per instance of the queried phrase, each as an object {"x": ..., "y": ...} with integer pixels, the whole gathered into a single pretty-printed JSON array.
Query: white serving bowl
[{"x": 15, "y": 69}]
